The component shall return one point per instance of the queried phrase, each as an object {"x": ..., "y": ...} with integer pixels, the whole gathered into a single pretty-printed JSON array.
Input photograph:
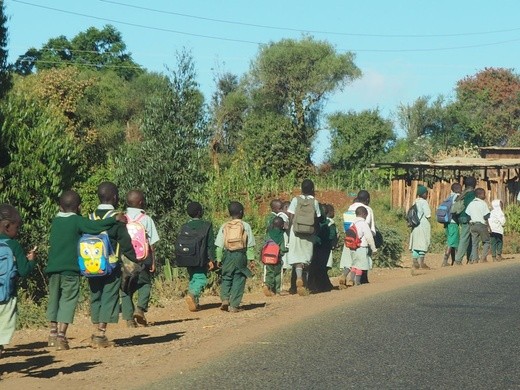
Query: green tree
[
  {"x": 5, "y": 78},
  {"x": 488, "y": 106},
  {"x": 93, "y": 49},
  {"x": 293, "y": 78},
  {"x": 168, "y": 163},
  {"x": 358, "y": 139}
]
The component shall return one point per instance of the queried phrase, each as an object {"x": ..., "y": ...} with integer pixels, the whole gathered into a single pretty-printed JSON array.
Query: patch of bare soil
[{"x": 178, "y": 340}]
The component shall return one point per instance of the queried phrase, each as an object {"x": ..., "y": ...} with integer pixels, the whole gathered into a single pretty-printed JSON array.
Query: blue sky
[{"x": 405, "y": 48}]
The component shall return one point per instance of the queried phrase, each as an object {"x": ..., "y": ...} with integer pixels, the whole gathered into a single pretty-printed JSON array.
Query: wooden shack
[{"x": 498, "y": 176}]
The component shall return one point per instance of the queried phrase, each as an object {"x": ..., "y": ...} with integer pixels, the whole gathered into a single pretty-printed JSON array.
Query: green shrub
[{"x": 389, "y": 255}]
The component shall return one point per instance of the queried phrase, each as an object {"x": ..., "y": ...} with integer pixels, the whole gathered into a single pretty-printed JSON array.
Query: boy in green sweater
[
  {"x": 235, "y": 246},
  {"x": 198, "y": 274},
  {"x": 273, "y": 280},
  {"x": 104, "y": 290},
  {"x": 62, "y": 265}
]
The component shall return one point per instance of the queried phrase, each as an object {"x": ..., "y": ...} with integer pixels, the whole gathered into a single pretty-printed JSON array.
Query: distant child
[
  {"x": 198, "y": 273},
  {"x": 276, "y": 209},
  {"x": 420, "y": 237},
  {"x": 304, "y": 212},
  {"x": 104, "y": 290},
  {"x": 318, "y": 280},
  {"x": 285, "y": 216},
  {"x": 62, "y": 266},
  {"x": 361, "y": 260},
  {"x": 478, "y": 212},
  {"x": 19, "y": 264},
  {"x": 452, "y": 230},
  {"x": 273, "y": 281},
  {"x": 235, "y": 246},
  {"x": 497, "y": 221},
  {"x": 135, "y": 212}
]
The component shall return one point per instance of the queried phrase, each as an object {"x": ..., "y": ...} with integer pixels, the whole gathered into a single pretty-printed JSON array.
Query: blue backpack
[
  {"x": 8, "y": 272},
  {"x": 443, "y": 212}
]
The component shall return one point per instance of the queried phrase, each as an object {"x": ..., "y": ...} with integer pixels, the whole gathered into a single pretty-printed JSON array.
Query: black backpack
[
  {"x": 412, "y": 217},
  {"x": 191, "y": 248}
]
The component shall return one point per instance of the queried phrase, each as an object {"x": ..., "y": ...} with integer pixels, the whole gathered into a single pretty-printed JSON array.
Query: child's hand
[
  {"x": 211, "y": 265},
  {"x": 120, "y": 217},
  {"x": 32, "y": 253}
]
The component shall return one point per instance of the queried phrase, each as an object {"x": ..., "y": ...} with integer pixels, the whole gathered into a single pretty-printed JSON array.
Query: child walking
[
  {"x": 235, "y": 246},
  {"x": 478, "y": 212},
  {"x": 497, "y": 221},
  {"x": 273, "y": 281},
  {"x": 135, "y": 212},
  {"x": 104, "y": 290},
  {"x": 199, "y": 274},
  {"x": 10, "y": 249},
  {"x": 62, "y": 266},
  {"x": 361, "y": 260},
  {"x": 420, "y": 237}
]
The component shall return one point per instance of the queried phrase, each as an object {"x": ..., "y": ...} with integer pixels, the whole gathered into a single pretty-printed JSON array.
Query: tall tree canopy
[
  {"x": 5, "y": 80},
  {"x": 488, "y": 106},
  {"x": 292, "y": 78},
  {"x": 94, "y": 49},
  {"x": 358, "y": 139}
]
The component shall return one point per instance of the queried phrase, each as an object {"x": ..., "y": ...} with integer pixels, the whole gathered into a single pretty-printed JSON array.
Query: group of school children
[
  {"x": 472, "y": 229},
  {"x": 302, "y": 230}
]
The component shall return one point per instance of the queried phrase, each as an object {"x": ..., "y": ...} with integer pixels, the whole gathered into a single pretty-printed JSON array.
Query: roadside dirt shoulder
[{"x": 178, "y": 339}]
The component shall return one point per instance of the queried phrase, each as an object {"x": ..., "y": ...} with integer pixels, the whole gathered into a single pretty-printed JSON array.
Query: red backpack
[
  {"x": 352, "y": 240},
  {"x": 270, "y": 253}
]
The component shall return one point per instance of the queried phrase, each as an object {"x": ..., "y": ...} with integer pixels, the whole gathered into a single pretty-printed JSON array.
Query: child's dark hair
[
  {"x": 307, "y": 187},
  {"x": 363, "y": 196},
  {"x": 106, "y": 192},
  {"x": 236, "y": 210},
  {"x": 329, "y": 209},
  {"x": 456, "y": 187},
  {"x": 194, "y": 210},
  {"x": 135, "y": 198},
  {"x": 9, "y": 213},
  {"x": 278, "y": 222},
  {"x": 361, "y": 211},
  {"x": 276, "y": 204},
  {"x": 70, "y": 201},
  {"x": 480, "y": 192},
  {"x": 470, "y": 181}
]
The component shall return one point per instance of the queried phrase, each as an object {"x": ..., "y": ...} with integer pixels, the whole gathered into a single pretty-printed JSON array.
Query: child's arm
[
  {"x": 24, "y": 263},
  {"x": 97, "y": 226},
  {"x": 369, "y": 237},
  {"x": 219, "y": 245}
]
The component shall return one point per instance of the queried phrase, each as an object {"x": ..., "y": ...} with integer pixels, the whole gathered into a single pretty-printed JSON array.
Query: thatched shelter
[{"x": 498, "y": 176}]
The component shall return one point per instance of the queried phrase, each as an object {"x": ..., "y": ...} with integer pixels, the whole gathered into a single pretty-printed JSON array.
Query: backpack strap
[{"x": 139, "y": 217}]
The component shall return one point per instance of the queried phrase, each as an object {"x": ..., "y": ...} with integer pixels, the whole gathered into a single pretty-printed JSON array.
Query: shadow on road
[{"x": 145, "y": 339}]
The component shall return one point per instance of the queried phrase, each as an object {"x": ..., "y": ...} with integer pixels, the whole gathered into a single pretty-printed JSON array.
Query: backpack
[
  {"x": 270, "y": 253},
  {"x": 304, "y": 216},
  {"x": 235, "y": 237},
  {"x": 191, "y": 247},
  {"x": 8, "y": 272},
  {"x": 352, "y": 239},
  {"x": 412, "y": 217},
  {"x": 443, "y": 212},
  {"x": 96, "y": 257},
  {"x": 138, "y": 236},
  {"x": 458, "y": 206},
  {"x": 348, "y": 218}
]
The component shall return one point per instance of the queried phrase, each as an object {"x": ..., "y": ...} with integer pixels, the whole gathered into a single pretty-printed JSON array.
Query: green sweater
[
  {"x": 197, "y": 224},
  {"x": 66, "y": 230}
]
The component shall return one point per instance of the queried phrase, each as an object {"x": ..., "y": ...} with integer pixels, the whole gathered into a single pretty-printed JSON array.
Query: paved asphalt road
[{"x": 459, "y": 333}]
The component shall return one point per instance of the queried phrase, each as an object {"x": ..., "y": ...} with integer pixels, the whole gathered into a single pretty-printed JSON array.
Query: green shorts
[{"x": 452, "y": 235}]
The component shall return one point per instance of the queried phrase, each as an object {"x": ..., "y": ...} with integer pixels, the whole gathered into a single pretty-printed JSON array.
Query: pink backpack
[{"x": 137, "y": 234}]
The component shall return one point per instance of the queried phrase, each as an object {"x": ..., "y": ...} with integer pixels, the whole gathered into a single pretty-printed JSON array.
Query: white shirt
[{"x": 476, "y": 210}]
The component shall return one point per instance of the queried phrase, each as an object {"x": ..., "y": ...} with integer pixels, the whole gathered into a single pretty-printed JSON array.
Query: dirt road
[{"x": 179, "y": 340}]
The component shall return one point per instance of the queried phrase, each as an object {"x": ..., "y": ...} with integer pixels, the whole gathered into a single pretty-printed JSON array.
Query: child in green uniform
[
  {"x": 198, "y": 274},
  {"x": 235, "y": 245},
  {"x": 273, "y": 281},
  {"x": 135, "y": 201},
  {"x": 62, "y": 265},
  {"x": 104, "y": 290},
  {"x": 10, "y": 222},
  {"x": 276, "y": 208}
]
